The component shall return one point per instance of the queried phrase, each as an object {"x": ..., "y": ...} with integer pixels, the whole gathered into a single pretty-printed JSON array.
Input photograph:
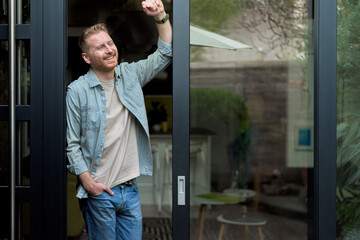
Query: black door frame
[{"x": 325, "y": 35}]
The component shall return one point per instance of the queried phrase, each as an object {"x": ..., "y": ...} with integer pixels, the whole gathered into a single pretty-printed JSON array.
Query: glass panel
[
  {"x": 4, "y": 73},
  {"x": 23, "y": 68},
  {"x": 24, "y": 220},
  {"x": 23, "y": 152},
  {"x": 4, "y": 12},
  {"x": 252, "y": 118},
  {"x": 23, "y": 163},
  {"x": 5, "y": 217},
  {"x": 23, "y": 12},
  {"x": 135, "y": 36},
  {"x": 4, "y": 154},
  {"x": 348, "y": 122}
]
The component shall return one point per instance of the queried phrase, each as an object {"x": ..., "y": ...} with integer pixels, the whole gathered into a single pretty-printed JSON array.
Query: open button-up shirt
[{"x": 86, "y": 112}]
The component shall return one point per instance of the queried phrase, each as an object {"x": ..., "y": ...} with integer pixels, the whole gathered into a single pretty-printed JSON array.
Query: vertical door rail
[
  {"x": 325, "y": 119},
  {"x": 12, "y": 79},
  {"x": 181, "y": 119}
]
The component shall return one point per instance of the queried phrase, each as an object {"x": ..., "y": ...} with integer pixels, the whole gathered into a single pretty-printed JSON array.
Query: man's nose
[{"x": 109, "y": 49}]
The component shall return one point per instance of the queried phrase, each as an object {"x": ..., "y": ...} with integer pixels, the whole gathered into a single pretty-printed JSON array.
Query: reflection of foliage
[
  {"x": 211, "y": 14},
  {"x": 348, "y": 90},
  {"x": 226, "y": 114},
  {"x": 348, "y": 173},
  {"x": 348, "y": 68},
  {"x": 221, "y": 106},
  {"x": 274, "y": 25}
]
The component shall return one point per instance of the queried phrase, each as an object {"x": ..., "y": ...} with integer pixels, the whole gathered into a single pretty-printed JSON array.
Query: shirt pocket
[
  {"x": 134, "y": 94},
  {"x": 90, "y": 118}
]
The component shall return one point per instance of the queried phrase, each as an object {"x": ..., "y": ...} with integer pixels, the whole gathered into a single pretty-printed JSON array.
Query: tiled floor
[{"x": 276, "y": 228}]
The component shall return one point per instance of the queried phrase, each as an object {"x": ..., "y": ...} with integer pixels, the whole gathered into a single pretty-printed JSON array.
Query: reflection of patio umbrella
[{"x": 200, "y": 37}]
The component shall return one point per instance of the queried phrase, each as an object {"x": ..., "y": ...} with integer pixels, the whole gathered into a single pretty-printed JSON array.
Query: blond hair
[{"x": 100, "y": 27}]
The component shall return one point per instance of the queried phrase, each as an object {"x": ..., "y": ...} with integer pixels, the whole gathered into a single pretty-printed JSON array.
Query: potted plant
[
  {"x": 157, "y": 116},
  {"x": 348, "y": 177}
]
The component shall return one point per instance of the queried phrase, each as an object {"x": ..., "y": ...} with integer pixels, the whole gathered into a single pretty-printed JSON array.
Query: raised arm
[{"x": 155, "y": 8}]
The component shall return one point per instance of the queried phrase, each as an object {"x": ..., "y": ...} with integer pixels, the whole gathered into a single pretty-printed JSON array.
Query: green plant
[
  {"x": 226, "y": 114},
  {"x": 157, "y": 114},
  {"x": 348, "y": 173}
]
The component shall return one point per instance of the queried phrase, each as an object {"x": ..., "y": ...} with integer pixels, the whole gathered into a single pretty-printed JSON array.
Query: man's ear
[{"x": 85, "y": 57}]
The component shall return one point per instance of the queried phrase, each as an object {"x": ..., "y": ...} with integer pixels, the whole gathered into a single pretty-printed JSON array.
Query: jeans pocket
[
  {"x": 97, "y": 196},
  {"x": 135, "y": 187}
]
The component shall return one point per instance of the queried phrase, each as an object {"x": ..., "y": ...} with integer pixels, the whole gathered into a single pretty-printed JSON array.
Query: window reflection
[
  {"x": 348, "y": 122},
  {"x": 256, "y": 106}
]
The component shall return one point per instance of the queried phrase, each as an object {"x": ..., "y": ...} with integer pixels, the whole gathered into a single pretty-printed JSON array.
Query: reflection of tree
[
  {"x": 277, "y": 24},
  {"x": 274, "y": 25}
]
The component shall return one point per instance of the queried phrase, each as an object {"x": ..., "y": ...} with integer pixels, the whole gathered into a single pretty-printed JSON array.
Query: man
[{"x": 107, "y": 132}]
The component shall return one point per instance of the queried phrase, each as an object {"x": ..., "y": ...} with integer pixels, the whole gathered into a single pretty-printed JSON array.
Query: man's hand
[
  {"x": 93, "y": 188},
  {"x": 154, "y": 8}
]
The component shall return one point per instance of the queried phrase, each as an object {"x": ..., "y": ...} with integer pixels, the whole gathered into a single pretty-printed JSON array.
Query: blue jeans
[{"x": 116, "y": 217}]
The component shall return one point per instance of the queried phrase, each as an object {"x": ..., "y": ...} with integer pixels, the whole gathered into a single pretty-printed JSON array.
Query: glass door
[{"x": 251, "y": 119}]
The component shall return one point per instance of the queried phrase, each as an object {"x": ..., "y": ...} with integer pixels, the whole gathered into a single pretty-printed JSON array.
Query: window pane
[
  {"x": 23, "y": 68},
  {"x": 4, "y": 73},
  {"x": 252, "y": 118},
  {"x": 4, "y": 154},
  {"x": 23, "y": 11},
  {"x": 3, "y": 11},
  {"x": 348, "y": 122},
  {"x": 23, "y": 149}
]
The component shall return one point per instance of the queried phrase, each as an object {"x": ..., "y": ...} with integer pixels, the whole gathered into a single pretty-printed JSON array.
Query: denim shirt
[{"x": 86, "y": 112}]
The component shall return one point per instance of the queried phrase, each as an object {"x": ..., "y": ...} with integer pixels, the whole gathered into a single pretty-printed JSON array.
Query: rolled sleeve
[
  {"x": 74, "y": 153},
  {"x": 165, "y": 48},
  {"x": 147, "y": 69}
]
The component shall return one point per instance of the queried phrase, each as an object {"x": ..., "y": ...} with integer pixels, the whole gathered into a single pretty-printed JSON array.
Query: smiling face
[{"x": 101, "y": 53}]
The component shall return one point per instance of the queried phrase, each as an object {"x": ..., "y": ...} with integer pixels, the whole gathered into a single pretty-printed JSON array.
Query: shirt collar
[
  {"x": 117, "y": 73},
  {"x": 94, "y": 81}
]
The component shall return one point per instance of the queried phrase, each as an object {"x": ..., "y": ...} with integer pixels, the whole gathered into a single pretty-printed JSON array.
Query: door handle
[
  {"x": 181, "y": 190},
  {"x": 12, "y": 79}
]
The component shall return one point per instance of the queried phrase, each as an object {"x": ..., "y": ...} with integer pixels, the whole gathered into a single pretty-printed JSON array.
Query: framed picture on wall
[{"x": 304, "y": 138}]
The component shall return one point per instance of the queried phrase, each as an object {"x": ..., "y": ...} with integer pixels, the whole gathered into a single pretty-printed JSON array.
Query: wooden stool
[{"x": 244, "y": 219}]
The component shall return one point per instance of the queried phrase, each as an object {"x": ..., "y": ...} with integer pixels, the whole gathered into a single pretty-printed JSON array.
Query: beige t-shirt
[{"x": 119, "y": 162}]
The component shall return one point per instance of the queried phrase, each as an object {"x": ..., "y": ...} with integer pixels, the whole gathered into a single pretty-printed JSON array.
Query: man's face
[{"x": 102, "y": 53}]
